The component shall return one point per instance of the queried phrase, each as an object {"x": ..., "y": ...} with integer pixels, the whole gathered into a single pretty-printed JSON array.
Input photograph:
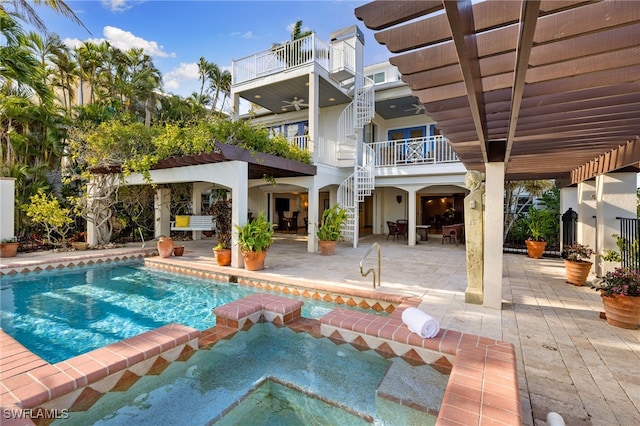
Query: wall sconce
[
  {"x": 399, "y": 198},
  {"x": 306, "y": 205}
]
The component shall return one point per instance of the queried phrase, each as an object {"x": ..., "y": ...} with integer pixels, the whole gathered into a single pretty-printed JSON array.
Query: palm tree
[
  {"x": 66, "y": 78},
  {"x": 292, "y": 53},
  {"x": 25, "y": 11}
]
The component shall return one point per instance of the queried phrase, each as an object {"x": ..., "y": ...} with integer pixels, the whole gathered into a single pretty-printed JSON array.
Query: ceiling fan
[
  {"x": 296, "y": 103},
  {"x": 418, "y": 108}
]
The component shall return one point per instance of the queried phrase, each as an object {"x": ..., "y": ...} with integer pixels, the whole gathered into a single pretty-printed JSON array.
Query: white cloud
[
  {"x": 117, "y": 5},
  {"x": 125, "y": 40},
  {"x": 184, "y": 73},
  {"x": 248, "y": 34}
]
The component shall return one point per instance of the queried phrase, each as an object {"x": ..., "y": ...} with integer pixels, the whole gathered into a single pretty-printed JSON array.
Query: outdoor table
[{"x": 423, "y": 230}]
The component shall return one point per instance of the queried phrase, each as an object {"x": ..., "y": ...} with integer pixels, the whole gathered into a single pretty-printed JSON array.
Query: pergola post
[{"x": 493, "y": 226}]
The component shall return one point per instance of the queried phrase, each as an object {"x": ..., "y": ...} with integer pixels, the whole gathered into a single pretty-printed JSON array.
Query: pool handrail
[{"x": 364, "y": 274}]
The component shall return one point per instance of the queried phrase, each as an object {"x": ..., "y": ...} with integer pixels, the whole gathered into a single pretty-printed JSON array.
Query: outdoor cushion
[{"x": 182, "y": 221}]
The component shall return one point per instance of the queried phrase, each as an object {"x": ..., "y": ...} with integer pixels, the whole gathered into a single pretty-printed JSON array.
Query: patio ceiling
[{"x": 552, "y": 88}]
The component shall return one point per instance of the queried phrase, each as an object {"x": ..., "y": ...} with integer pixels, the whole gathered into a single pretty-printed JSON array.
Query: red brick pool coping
[{"x": 482, "y": 388}]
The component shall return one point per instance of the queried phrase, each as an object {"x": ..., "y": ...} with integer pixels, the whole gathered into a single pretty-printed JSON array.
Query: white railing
[
  {"x": 281, "y": 57},
  {"x": 359, "y": 112},
  {"x": 301, "y": 142},
  {"x": 425, "y": 150},
  {"x": 343, "y": 56}
]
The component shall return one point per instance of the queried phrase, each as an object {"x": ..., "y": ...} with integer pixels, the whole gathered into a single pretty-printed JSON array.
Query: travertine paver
[{"x": 569, "y": 360}]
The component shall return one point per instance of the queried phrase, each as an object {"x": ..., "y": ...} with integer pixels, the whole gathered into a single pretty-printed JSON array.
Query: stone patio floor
[{"x": 569, "y": 360}]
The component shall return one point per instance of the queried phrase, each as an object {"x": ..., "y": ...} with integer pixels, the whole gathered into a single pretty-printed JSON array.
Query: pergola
[{"x": 522, "y": 89}]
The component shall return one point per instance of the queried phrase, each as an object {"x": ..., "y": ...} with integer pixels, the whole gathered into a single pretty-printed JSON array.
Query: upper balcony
[
  {"x": 415, "y": 151},
  {"x": 281, "y": 58}
]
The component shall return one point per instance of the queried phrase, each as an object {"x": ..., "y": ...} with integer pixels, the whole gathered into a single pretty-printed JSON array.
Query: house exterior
[{"x": 376, "y": 153}]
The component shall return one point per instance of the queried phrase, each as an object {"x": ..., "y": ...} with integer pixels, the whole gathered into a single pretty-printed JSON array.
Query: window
[
  {"x": 378, "y": 77},
  {"x": 413, "y": 147}
]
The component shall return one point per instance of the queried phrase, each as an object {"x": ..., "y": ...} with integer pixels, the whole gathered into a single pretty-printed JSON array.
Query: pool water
[
  {"x": 61, "y": 314},
  {"x": 223, "y": 385}
]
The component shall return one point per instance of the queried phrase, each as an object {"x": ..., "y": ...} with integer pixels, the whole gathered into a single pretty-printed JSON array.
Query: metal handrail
[{"x": 364, "y": 274}]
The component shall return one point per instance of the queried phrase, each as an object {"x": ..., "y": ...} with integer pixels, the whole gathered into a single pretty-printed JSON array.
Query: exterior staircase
[
  {"x": 360, "y": 183},
  {"x": 347, "y": 70}
]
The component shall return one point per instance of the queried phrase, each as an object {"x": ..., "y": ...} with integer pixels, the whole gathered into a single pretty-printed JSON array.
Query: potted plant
[
  {"x": 576, "y": 261},
  {"x": 78, "y": 241},
  {"x": 620, "y": 292},
  {"x": 330, "y": 229},
  {"x": 538, "y": 222},
  {"x": 221, "y": 212},
  {"x": 9, "y": 247},
  {"x": 165, "y": 246},
  {"x": 254, "y": 239}
]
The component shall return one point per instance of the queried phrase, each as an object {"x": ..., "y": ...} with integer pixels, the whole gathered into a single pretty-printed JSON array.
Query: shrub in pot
[
  {"x": 620, "y": 292},
  {"x": 254, "y": 239},
  {"x": 576, "y": 261},
  {"x": 221, "y": 212},
  {"x": 330, "y": 230},
  {"x": 538, "y": 222},
  {"x": 9, "y": 247}
]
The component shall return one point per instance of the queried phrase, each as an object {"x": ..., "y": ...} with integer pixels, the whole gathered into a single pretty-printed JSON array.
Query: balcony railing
[
  {"x": 280, "y": 58},
  {"x": 424, "y": 150},
  {"x": 301, "y": 142}
]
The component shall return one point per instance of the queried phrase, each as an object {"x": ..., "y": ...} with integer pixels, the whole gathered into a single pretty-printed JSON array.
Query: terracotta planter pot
[
  {"x": 327, "y": 248},
  {"x": 254, "y": 260},
  {"x": 577, "y": 272},
  {"x": 622, "y": 311},
  {"x": 165, "y": 246},
  {"x": 79, "y": 245},
  {"x": 178, "y": 250},
  {"x": 535, "y": 248},
  {"x": 222, "y": 256},
  {"x": 8, "y": 249}
]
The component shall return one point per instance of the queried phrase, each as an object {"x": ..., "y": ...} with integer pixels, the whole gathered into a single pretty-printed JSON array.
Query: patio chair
[
  {"x": 393, "y": 230},
  {"x": 452, "y": 232},
  {"x": 403, "y": 227}
]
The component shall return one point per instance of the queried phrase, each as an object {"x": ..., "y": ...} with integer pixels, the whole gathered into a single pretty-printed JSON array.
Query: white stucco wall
[{"x": 7, "y": 206}]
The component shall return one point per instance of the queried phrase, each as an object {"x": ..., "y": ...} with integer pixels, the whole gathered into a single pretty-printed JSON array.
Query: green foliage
[
  {"x": 622, "y": 281},
  {"x": 256, "y": 235},
  {"x": 221, "y": 212},
  {"x": 46, "y": 211},
  {"x": 330, "y": 228},
  {"x": 577, "y": 252},
  {"x": 539, "y": 223}
]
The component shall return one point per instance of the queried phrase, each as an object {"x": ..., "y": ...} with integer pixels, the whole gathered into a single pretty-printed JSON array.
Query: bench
[{"x": 192, "y": 223}]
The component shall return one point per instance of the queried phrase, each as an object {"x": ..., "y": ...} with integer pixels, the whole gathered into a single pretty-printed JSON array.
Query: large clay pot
[
  {"x": 80, "y": 245},
  {"x": 222, "y": 256},
  {"x": 254, "y": 260},
  {"x": 327, "y": 248},
  {"x": 165, "y": 246},
  {"x": 178, "y": 250},
  {"x": 8, "y": 249},
  {"x": 577, "y": 272},
  {"x": 622, "y": 311},
  {"x": 535, "y": 248}
]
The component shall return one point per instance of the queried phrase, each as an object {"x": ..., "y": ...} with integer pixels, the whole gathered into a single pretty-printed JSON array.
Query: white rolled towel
[{"x": 420, "y": 323}]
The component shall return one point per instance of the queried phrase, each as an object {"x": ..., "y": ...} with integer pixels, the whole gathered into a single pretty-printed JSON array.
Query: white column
[
  {"x": 235, "y": 106},
  {"x": 7, "y": 207},
  {"x": 314, "y": 114},
  {"x": 92, "y": 231},
  {"x": 587, "y": 204},
  {"x": 411, "y": 196},
  {"x": 312, "y": 214},
  {"x": 615, "y": 197},
  {"x": 240, "y": 197},
  {"x": 162, "y": 208},
  {"x": 493, "y": 226}
]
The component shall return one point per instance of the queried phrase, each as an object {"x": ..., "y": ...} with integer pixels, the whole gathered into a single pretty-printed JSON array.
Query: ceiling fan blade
[{"x": 297, "y": 107}]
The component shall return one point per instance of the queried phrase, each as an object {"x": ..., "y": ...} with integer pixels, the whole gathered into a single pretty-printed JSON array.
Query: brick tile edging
[{"x": 483, "y": 385}]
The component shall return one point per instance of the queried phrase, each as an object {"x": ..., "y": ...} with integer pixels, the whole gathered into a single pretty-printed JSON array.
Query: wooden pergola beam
[
  {"x": 618, "y": 158},
  {"x": 460, "y": 16}
]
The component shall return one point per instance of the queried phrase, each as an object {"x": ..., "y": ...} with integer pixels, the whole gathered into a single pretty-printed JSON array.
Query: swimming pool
[
  {"x": 61, "y": 314},
  {"x": 247, "y": 373}
]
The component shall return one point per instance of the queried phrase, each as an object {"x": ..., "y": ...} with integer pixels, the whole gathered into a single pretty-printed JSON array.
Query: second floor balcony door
[{"x": 414, "y": 146}]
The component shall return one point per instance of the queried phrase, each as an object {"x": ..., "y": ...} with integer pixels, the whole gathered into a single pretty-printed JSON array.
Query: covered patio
[{"x": 528, "y": 90}]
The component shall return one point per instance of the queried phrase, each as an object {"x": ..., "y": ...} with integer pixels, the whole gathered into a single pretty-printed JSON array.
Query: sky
[{"x": 177, "y": 33}]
